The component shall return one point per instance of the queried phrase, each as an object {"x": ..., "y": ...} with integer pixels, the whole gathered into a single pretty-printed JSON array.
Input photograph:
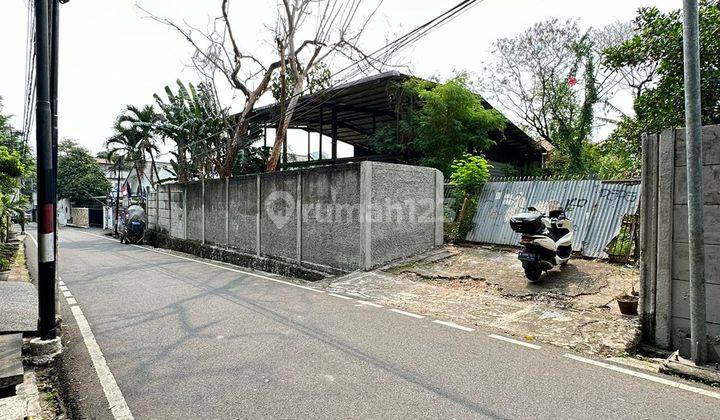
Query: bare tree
[
  {"x": 533, "y": 69},
  {"x": 301, "y": 44}
]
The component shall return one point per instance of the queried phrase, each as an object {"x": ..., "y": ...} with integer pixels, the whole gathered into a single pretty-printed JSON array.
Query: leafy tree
[
  {"x": 12, "y": 140},
  {"x": 551, "y": 78},
  {"x": 657, "y": 43},
  {"x": 80, "y": 177},
  {"x": 11, "y": 168},
  {"x": 440, "y": 122}
]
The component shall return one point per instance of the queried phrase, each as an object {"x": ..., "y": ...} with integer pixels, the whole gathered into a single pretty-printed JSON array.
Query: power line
[{"x": 30, "y": 82}]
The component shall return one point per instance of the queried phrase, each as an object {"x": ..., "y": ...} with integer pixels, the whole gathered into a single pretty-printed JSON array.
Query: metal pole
[
  {"x": 320, "y": 156},
  {"x": 117, "y": 196},
  {"x": 46, "y": 183},
  {"x": 54, "y": 59},
  {"x": 693, "y": 147},
  {"x": 334, "y": 118}
]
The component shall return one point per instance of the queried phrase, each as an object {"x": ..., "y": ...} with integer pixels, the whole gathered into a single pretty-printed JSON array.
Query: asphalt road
[{"x": 183, "y": 338}]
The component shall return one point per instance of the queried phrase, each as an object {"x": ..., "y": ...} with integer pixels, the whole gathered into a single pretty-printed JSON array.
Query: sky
[{"x": 112, "y": 54}]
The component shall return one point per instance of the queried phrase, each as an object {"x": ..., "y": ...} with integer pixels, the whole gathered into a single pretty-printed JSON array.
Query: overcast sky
[{"x": 111, "y": 55}]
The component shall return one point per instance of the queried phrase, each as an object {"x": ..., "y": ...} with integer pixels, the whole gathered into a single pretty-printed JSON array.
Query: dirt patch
[
  {"x": 481, "y": 286},
  {"x": 582, "y": 284}
]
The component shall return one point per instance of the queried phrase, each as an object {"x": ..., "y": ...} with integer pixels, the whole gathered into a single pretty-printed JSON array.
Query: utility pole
[
  {"x": 693, "y": 152},
  {"x": 46, "y": 181}
]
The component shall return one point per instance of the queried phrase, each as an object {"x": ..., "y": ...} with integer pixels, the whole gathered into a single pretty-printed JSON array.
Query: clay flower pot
[{"x": 628, "y": 304}]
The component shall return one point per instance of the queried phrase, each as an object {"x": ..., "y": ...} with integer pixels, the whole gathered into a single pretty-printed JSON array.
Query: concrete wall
[
  {"x": 342, "y": 217},
  {"x": 664, "y": 244}
]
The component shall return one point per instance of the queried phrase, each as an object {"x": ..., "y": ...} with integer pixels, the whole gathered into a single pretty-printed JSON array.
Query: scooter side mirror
[{"x": 532, "y": 209}]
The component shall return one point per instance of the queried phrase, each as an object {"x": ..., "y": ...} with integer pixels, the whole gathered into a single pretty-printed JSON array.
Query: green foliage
[
  {"x": 449, "y": 120},
  {"x": 11, "y": 168},
  {"x": 79, "y": 176},
  {"x": 618, "y": 157},
  {"x": 4, "y": 264},
  {"x": 194, "y": 120},
  {"x": 15, "y": 159},
  {"x": 658, "y": 42},
  {"x": 469, "y": 173},
  {"x": 134, "y": 138},
  {"x": 571, "y": 115},
  {"x": 549, "y": 78}
]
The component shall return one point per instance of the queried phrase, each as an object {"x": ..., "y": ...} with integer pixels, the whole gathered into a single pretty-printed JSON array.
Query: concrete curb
[
  {"x": 43, "y": 352},
  {"x": 683, "y": 367}
]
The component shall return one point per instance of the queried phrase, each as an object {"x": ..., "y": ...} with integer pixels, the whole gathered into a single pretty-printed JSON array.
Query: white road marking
[
  {"x": 116, "y": 401},
  {"x": 373, "y": 304},
  {"x": 518, "y": 342},
  {"x": 453, "y": 325},
  {"x": 61, "y": 283},
  {"x": 652, "y": 378},
  {"x": 340, "y": 296},
  {"x": 312, "y": 289},
  {"x": 63, "y": 288},
  {"x": 410, "y": 314},
  {"x": 67, "y": 293},
  {"x": 33, "y": 239},
  {"x": 71, "y": 301}
]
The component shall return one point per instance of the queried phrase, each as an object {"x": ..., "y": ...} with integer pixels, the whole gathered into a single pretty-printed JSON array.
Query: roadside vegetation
[
  {"x": 80, "y": 178},
  {"x": 561, "y": 82},
  {"x": 558, "y": 81},
  {"x": 17, "y": 168}
]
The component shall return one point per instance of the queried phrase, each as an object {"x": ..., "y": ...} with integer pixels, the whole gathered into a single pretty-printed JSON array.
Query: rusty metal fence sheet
[{"x": 595, "y": 207}]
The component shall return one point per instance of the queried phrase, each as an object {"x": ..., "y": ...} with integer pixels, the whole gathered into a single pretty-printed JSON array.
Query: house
[
  {"x": 351, "y": 113},
  {"x": 128, "y": 176}
]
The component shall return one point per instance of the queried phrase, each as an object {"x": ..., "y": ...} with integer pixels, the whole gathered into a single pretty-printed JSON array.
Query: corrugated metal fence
[{"x": 595, "y": 207}]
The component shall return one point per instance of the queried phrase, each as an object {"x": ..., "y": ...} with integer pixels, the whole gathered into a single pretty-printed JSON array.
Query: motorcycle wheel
[{"x": 532, "y": 272}]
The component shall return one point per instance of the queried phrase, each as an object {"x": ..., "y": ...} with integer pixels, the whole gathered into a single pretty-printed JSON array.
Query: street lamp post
[{"x": 693, "y": 147}]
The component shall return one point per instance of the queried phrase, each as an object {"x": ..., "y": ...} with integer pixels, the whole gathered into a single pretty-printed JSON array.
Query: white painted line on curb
[
  {"x": 340, "y": 296},
  {"x": 67, "y": 293},
  {"x": 453, "y": 325},
  {"x": 63, "y": 288},
  {"x": 116, "y": 401},
  {"x": 518, "y": 342},
  {"x": 410, "y": 314},
  {"x": 641, "y": 375},
  {"x": 71, "y": 301},
  {"x": 373, "y": 304},
  {"x": 312, "y": 289},
  {"x": 33, "y": 239}
]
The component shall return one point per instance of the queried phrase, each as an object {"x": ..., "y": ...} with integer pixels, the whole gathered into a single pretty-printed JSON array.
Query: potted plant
[
  {"x": 628, "y": 303},
  {"x": 4, "y": 269}
]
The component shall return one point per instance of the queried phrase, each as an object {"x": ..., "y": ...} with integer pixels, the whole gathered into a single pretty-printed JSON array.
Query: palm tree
[
  {"x": 11, "y": 205},
  {"x": 134, "y": 138}
]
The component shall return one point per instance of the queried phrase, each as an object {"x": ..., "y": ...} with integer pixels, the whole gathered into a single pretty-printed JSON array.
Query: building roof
[{"x": 365, "y": 104}]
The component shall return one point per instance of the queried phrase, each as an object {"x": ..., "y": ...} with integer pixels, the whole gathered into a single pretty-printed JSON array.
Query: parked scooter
[{"x": 547, "y": 240}]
